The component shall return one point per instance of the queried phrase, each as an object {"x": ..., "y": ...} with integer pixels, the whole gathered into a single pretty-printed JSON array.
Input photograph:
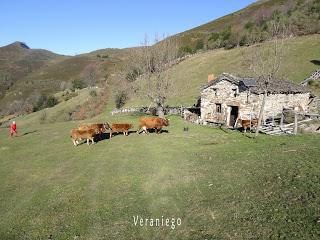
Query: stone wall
[
  {"x": 227, "y": 94},
  {"x": 149, "y": 110}
]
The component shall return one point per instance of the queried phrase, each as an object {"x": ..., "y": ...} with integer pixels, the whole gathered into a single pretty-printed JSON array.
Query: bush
[
  {"x": 93, "y": 93},
  {"x": 120, "y": 99},
  {"x": 225, "y": 34},
  {"x": 132, "y": 76},
  {"x": 249, "y": 26},
  {"x": 214, "y": 37},
  {"x": 199, "y": 45},
  {"x": 45, "y": 102},
  {"x": 67, "y": 95},
  {"x": 78, "y": 84},
  {"x": 52, "y": 101},
  {"x": 186, "y": 50}
]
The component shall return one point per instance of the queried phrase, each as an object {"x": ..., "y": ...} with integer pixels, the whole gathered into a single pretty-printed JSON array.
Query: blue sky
[{"x": 73, "y": 27}]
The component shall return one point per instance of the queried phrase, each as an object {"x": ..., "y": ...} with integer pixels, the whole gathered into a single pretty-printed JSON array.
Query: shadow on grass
[
  {"x": 251, "y": 136},
  {"x": 316, "y": 62},
  {"x": 153, "y": 131},
  {"x": 27, "y": 133},
  {"x": 114, "y": 134}
]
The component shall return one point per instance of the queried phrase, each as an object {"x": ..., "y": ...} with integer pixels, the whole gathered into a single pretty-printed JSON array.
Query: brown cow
[
  {"x": 77, "y": 134},
  {"x": 245, "y": 123},
  {"x": 120, "y": 127},
  {"x": 99, "y": 127},
  {"x": 152, "y": 123}
]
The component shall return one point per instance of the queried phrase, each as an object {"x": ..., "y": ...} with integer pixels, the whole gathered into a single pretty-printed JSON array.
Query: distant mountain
[
  {"x": 17, "y": 60},
  {"x": 27, "y": 73}
]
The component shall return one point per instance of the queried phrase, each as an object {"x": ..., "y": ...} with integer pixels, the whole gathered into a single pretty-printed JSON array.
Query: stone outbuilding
[{"x": 228, "y": 97}]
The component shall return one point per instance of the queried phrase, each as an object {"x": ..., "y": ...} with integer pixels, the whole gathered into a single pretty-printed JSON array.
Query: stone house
[{"x": 228, "y": 97}]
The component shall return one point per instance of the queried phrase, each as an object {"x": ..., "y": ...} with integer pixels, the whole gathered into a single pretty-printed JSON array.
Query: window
[
  {"x": 215, "y": 90},
  {"x": 235, "y": 92},
  {"x": 218, "y": 107}
]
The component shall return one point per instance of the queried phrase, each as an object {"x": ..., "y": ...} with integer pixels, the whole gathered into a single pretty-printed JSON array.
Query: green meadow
[{"x": 222, "y": 184}]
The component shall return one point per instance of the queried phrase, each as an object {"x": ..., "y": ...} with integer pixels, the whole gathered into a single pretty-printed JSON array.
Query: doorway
[{"x": 233, "y": 115}]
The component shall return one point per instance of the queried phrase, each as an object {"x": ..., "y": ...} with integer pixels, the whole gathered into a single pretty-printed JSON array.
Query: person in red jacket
[{"x": 13, "y": 129}]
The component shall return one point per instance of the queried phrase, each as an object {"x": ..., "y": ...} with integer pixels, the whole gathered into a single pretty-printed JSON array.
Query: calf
[
  {"x": 152, "y": 123},
  {"x": 77, "y": 134},
  {"x": 120, "y": 127},
  {"x": 245, "y": 123}
]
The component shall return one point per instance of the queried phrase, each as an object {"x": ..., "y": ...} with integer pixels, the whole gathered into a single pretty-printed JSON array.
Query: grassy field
[{"x": 222, "y": 184}]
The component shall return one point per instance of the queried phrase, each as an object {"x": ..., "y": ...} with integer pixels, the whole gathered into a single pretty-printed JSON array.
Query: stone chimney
[{"x": 210, "y": 77}]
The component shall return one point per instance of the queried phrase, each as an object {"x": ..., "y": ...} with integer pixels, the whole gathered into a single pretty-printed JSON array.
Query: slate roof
[{"x": 258, "y": 86}]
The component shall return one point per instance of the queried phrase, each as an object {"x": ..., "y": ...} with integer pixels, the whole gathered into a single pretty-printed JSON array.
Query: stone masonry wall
[{"x": 227, "y": 94}]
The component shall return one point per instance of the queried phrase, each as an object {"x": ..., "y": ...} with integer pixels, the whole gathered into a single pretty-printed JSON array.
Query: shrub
[
  {"x": 226, "y": 34},
  {"x": 67, "y": 96},
  {"x": 249, "y": 25},
  {"x": 78, "y": 84},
  {"x": 52, "y": 101},
  {"x": 120, "y": 99},
  {"x": 214, "y": 36},
  {"x": 41, "y": 103},
  {"x": 186, "y": 50},
  {"x": 132, "y": 76},
  {"x": 199, "y": 45},
  {"x": 93, "y": 93},
  {"x": 45, "y": 102}
]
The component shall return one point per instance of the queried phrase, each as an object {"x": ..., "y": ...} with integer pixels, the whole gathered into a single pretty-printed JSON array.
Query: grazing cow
[
  {"x": 245, "y": 123},
  {"x": 152, "y": 123},
  {"x": 120, "y": 127},
  {"x": 77, "y": 134}
]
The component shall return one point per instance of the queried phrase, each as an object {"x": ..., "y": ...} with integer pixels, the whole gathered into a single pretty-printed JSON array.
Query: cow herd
[{"x": 89, "y": 131}]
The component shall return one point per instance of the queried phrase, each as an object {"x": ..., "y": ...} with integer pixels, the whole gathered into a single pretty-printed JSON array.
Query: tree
[
  {"x": 265, "y": 62},
  {"x": 153, "y": 62},
  {"x": 78, "y": 84},
  {"x": 123, "y": 86},
  {"x": 89, "y": 74}
]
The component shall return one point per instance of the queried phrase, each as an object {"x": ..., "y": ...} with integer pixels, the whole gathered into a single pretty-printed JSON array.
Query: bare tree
[
  {"x": 152, "y": 62},
  {"x": 89, "y": 74},
  {"x": 123, "y": 88},
  {"x": 265, "y": 61}
]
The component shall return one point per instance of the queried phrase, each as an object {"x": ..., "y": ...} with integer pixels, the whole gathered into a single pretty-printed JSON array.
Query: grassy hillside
[
  {"x": 301, "y": 17},
  {"x": 192, "y": 73},
  {"x": 59, "y": 113},
  {"x": 17, "y": 60},
  {"x": 223, "y": 185},
  {"x": 189, "y": 75},
  {"x": 59, "y": 73}
]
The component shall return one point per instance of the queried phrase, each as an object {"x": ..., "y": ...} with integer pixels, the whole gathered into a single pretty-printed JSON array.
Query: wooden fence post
[
  {"x": 282, "y": 117},
  {"x": 295, "y": 128}
]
